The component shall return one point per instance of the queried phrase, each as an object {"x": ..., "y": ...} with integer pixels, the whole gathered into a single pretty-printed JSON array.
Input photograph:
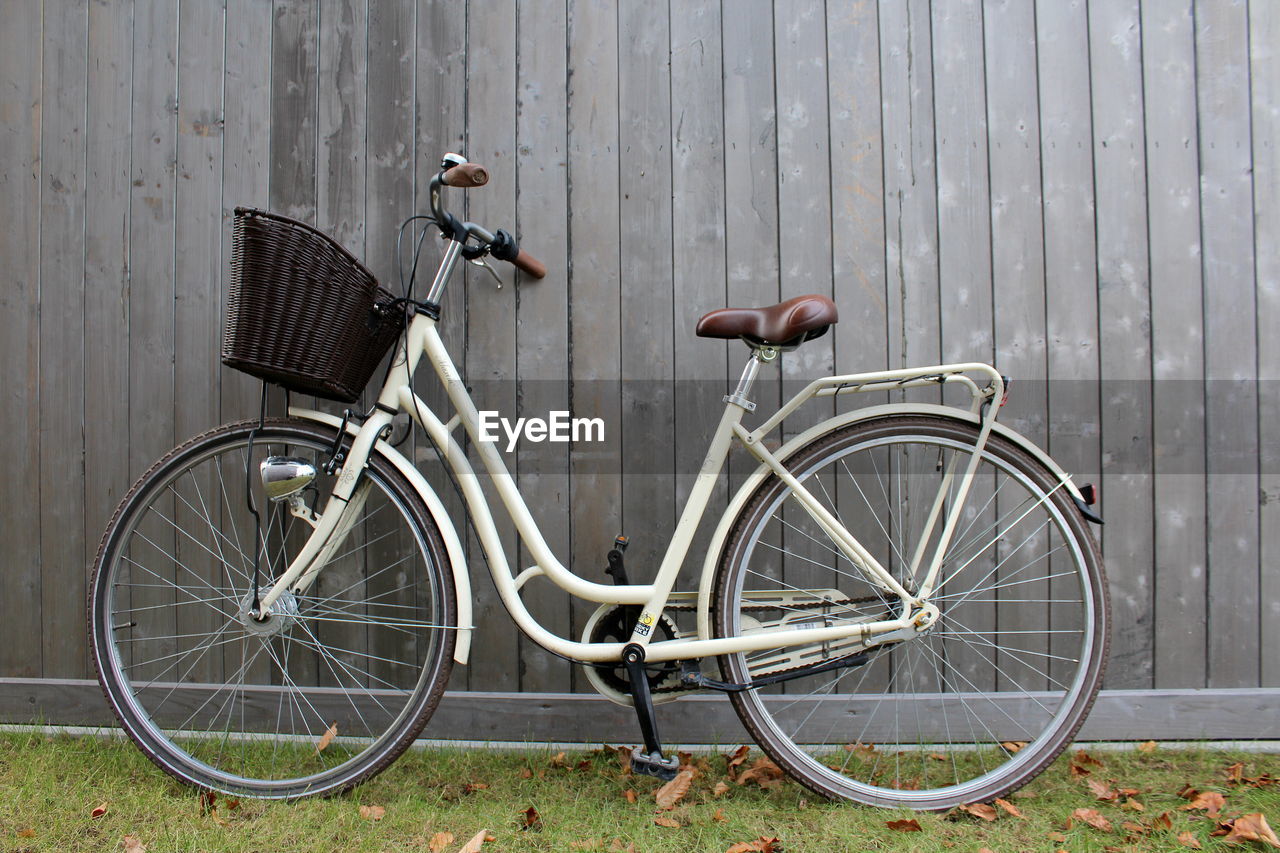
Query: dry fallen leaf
[
  {"x": 98, "y": 811},
  {"x": 719, "y": 817},
  {"x": 327, "y": 738},
  {"x": 1252, "y": 827},
  {"x": 981, "y": 810},
  {"x": 1188, "y": 839},
  {"x": 720, "y": 789},
  {"x": 1056, "y": 836},
  {"x": 760, "y": 845},
  {"x": 472, "y": 787},
  {"x": 440, "y": 841},
  {"x": 908, "y": 825},
  {"x": 531, "y": 819},
  {"x": 373, "y": 812},
  {"x": 736, "y": 758},
  {"x": 558, "y": 760},
  {"x": 662, "y": 820},
  {"x": 1147, "y": 747},
  {"x": 1014, "y": 745},
  {"x": 1162, "y": 821},
  {"x": 1210, "y": 801},
  {"x": 630, "y": 795},
  {"x": 477, "y": 840},
  {"x": 669, "y": 794},
  {"x": 1093, "y": 818},
  {"x": 1103, "y": 791},
  {"x": 132, "y": 844},
  {"x": 1008, "y": 807},
  {"x": 27, "y": 833},
  {"x": 763, "y": 772}
]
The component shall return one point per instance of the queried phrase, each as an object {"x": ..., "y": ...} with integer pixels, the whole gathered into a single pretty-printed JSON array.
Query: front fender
[
  {"x": 452, "y": 544},
  {"x": 758, "y": 476}
]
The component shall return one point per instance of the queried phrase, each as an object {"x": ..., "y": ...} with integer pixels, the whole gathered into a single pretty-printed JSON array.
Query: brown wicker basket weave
[{"x": 302, "y": 311}]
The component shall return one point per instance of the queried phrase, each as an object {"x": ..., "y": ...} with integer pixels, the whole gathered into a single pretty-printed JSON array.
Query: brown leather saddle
[{"x": 785, "y": 325}]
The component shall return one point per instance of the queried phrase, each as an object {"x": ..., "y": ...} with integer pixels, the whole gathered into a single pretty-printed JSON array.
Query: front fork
[{"x": 350, "y": 491}]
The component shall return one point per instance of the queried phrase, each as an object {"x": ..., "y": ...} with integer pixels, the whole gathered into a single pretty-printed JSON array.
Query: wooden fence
[{"x": 1086, "y": 194}]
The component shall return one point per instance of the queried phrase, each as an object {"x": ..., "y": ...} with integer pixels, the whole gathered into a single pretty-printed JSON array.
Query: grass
[{"x": 50, "y": 785}]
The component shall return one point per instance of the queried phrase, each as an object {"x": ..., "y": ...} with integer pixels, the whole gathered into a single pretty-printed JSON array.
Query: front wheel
[
  {"x": 325, "y": 692},
  {"x": 964, "y": 711}
]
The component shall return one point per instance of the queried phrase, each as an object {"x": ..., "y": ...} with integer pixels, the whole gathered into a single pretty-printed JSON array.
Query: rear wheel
[
  {"x": 964, "y": 711},
  {"x": 328, "y": 690}
]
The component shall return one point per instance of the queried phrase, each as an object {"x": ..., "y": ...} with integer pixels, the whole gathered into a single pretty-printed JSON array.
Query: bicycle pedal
[{"x": 653, "y": 764}]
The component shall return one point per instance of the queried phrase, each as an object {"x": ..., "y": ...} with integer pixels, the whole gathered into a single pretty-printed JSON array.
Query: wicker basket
[{"x": 303, "y": 312}]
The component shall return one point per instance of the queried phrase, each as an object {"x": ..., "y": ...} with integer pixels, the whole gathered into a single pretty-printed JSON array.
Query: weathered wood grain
[
  {"x": 542, "y": 336},
  {"x": 490, "y": 312},
  {"x": 1231, "y": 332},
  {"x": 1264, "y": 81},
  {"x": 1177, "y": 341},
  {"x": 1124, "y": 338},
  {"x": 1084, "y": 192},
  {"x": 594, "y": 287},
  {"x": 21, "y": 101},
  {"x": 698, "y": 260},
  {"x": 62, "y": 357}
]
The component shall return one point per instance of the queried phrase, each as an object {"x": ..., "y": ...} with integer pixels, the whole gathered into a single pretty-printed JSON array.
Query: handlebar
[{"x": 458, "y": 173}]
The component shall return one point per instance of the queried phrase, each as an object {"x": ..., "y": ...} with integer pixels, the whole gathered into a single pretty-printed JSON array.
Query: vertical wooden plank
[
  {"x": 1264, "y": 73},
  {"x": 910, "y": 190},
  {"x": 21, "y": 66},
  {"x": 61, "y": 394},
  {"x": 1018, "y": 288},
  {"x": 964, "y": 201},
  {"x": 964, "y": 269},
  {"x": 491, "y": 313},
  {"x": 751, "y": 188},
  {"x": 1124, "y": 336},
  {"x": 197, "y": 301},
  {"x": 644, "y": 103},
  {"x": 857, "y": 185},
  {"x": 197, "y": 286},
  {"x": 1177, "y": 341},
  {"x": 1071, "y": 292},
  {"x": 389, "y": 130},
  {"x": 440, "y": 119},
  {"x": 1017, "y": 232},
  {"x": 804, "y": 186},
  {"x": 106, "y": 273},
  {"x": 246, "y": 155},
  {"x": 1231, "y": 425},
  {"x": 342, "y": 125},
  {"x": 595, "y": 289},
  {"x": 804, "y": 211},
  {"x": 294, "y": 41},
  {"x": 698, "y": 240},
  {"x": 542, "y": 342},
  {"x": 152, "y": 268}
]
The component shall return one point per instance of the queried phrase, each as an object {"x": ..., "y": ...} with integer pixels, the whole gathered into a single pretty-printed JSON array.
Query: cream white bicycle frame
[{"x": 422, "y": 338}]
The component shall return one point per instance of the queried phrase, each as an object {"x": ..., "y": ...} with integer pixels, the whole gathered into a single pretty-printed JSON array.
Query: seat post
[{"x": 759, "y": 355}]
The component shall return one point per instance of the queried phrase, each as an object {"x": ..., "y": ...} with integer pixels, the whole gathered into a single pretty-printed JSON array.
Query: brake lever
[{"x": 481, "y": 262}]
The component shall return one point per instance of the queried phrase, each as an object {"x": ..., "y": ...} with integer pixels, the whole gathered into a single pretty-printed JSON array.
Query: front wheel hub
[{"x": 284, "y": 611}]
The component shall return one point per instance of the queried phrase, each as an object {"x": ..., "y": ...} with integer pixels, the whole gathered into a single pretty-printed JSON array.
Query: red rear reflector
[{"x": 1089, "y": 493}]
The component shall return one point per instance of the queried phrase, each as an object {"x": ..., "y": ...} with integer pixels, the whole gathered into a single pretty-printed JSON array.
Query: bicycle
[{"x": 904, "y": 602}]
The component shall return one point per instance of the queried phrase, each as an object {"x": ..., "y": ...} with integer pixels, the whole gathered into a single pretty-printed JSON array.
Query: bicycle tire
[
  {"x": 965, "y": 712},
  {"x": 320, "y": 697}
]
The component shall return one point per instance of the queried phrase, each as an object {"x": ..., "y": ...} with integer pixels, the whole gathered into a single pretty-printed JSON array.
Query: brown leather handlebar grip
[
  {"x": 527, "y": 262},
  {"x": 466, "y": 175}
]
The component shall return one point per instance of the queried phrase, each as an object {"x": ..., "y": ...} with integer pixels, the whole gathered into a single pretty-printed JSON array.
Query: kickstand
[{"x": 649, "y": 759}]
